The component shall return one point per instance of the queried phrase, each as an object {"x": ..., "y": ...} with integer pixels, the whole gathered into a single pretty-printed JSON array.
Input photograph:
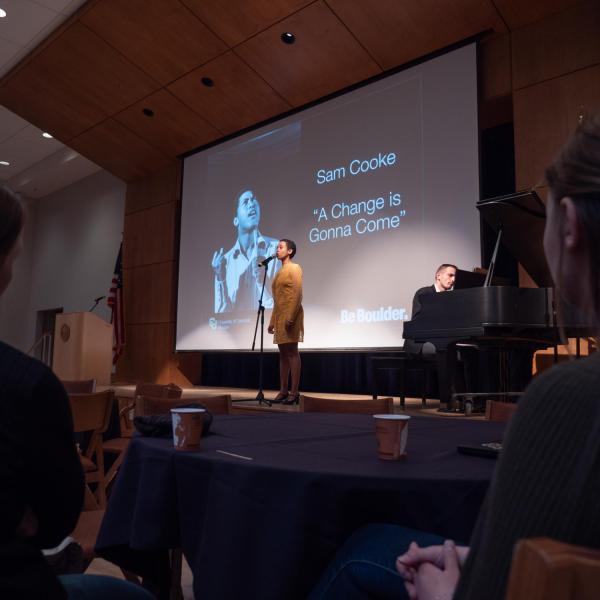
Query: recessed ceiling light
[
  {"x": 288, "y": 38},
  {"x": 207, "y": 81},
  {"x": 2, "y": 13},
  {"x": 4, "y": 163},
  {"x": 47, "y": 135},
  {"x": 148, "y": 112}
]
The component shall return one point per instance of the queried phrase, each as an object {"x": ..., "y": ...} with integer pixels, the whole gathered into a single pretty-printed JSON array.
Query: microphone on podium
[
  {"x": 265, "y": 261},
  {"x": 96, "y": 301}
]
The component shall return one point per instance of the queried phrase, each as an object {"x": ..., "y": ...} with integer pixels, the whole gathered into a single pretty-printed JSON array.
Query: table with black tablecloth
[{"x": 266, "y": 527}]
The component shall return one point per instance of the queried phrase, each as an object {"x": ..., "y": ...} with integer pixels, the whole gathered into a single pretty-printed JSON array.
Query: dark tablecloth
[{"x": 265, "y": 528}]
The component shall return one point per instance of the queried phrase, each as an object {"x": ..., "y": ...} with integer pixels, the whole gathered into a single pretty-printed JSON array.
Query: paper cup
[
  {"x": 187, "y": 427},
  {"x": 392, "y": 435}
]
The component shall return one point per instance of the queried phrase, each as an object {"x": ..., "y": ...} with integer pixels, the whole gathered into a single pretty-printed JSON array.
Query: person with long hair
[
  {"x": 546, "y": 482},
  {"x": 42, "y": 483},
  {"x": 287, "y": 321}
]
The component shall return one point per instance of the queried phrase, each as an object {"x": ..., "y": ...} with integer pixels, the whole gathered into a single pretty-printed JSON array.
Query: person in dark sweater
[
  {"x": 546, "y": 482},
  {"x": 42, "y": 482}
]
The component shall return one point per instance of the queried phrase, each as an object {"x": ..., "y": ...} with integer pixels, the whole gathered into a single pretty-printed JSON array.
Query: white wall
[{"x": 70, "y": 247}]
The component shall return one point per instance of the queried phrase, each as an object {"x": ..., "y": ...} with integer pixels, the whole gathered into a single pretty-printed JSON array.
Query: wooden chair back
[
  {"x": 127, "y": 405},
  {"x": 147, "y": 405},
  {"x": 363, "y": 407},
  {"x": 218, "y": 405},
  {"x": 80, "y": 386},
  {"x": 91, "y": 412},
  {"x": 157, "y": 390},
  {"x": 544, "y": 569},
  {"x": 500, "y": 411}
]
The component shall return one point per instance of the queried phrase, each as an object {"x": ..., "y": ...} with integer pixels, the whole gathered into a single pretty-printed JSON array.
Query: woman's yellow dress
[{"x": 287, "y": 294}]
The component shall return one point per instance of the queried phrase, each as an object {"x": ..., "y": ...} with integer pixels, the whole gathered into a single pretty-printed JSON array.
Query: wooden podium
[{"x": 82, "y": 347}]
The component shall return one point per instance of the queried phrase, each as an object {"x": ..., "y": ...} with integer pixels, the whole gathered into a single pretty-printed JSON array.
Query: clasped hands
[{"x": 431, "y": 573}]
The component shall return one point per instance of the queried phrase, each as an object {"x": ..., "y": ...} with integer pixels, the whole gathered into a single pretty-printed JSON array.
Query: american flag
[{"x": 115, "y": 302}]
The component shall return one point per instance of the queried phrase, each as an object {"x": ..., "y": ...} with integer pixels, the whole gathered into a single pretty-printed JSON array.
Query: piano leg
[{"x": 445, "y": 363}]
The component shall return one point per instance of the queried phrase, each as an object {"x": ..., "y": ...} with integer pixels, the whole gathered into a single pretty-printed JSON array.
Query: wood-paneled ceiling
[{"x": 121, "y": 81}]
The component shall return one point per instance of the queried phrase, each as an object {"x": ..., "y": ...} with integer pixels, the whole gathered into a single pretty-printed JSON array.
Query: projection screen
[{"x": 377, "y": 187}]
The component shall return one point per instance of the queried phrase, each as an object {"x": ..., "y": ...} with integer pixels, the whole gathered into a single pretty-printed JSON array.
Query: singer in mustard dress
[{"x": 287, "y": 321}]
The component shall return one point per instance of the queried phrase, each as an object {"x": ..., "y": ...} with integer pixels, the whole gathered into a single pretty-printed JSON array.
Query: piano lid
[{"x": 522, "y": 217}]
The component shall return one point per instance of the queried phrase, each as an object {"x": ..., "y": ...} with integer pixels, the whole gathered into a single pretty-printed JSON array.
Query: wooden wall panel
[
  {"x": 149, "y": 236},
  {"x": 238, "y": 99},
  {"x": 495, "y": 74},
  {"x": 325, "y": 57},
  {"x": 149, "y": 294},
  {"x": 236, "y": 20},
  {"x": 159, "y": 188},
  {"x": 558, "y": 45},
  {"x": 162, "y": 37},
  {"x": 120, "y": 151},
  {"x": 150, "y": 286},
  {"x": 174, "y": 128},
  {"x": 541, "y": 127},
  {"x": 495, "y": 111},
  {"x": 185, "y": 368},
  {"x": 148, "y": 353},
  {"x": 396, "y": 32},
  {"x": 545, "y": 115}
]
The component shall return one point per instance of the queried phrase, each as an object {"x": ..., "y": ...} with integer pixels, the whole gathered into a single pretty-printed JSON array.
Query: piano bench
[
  {"x": 497, "y": 406},
  {"x": 401, "y": 363}
]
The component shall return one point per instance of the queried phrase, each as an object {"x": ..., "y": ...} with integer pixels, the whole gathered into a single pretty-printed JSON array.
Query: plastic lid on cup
[{"x": 392, "y": 417}]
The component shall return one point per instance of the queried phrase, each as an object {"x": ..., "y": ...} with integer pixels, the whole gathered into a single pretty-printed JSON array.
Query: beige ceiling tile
[
  {"x": 8, "y": 53},
  {"x": 24, "y": 20},
  {"x": 10, "y": 124},
  {"x": 239, "y": 97},
  {"x": 162, "y": 37},
  {"x": 236, "y": 20},
  {"x": 173, "y": 127},
  {"x": 324, "y": 59},
  {"x": 25, "y": 148}
]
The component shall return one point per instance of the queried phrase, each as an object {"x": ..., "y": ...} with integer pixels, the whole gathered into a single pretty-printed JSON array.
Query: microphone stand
[
  {"x": 96, "y": 302},
  {"x": 261, "y": 316}
]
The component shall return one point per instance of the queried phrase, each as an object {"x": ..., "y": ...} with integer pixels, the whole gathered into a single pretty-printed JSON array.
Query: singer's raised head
[
  {"x": 247, "y": 211},
  {"x": 289, "y": 245}
]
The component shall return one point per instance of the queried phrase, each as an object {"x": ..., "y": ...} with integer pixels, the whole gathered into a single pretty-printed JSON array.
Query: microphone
[
  {"x": 96, "y": 301},
  {"x": 265, "y": 261}
]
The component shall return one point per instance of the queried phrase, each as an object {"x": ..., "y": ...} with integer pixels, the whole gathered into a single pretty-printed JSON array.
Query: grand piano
[{"x": 502, "y": 318}]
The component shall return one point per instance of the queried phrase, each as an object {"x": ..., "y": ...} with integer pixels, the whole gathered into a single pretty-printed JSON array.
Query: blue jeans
[
  {"x": 365, "y": 566},
  {"x": 100, "y": 587}
]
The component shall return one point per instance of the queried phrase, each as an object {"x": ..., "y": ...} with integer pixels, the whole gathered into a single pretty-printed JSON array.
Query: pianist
[
  {"x": 546, "y": 482},
  {"x": 444, "y": 282}
]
